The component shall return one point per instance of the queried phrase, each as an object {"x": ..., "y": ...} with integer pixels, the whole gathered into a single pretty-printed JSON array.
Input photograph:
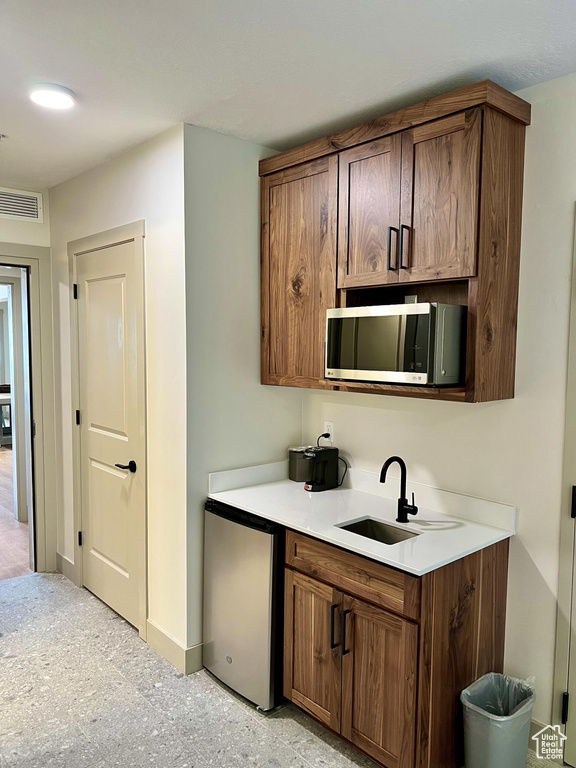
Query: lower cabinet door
[
  {"x": 312, "y": 647},
  {"x": 379, "y": 665}
]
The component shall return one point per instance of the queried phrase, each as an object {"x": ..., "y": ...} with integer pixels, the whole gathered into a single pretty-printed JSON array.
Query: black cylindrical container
[{"x": 298, "y": 466}]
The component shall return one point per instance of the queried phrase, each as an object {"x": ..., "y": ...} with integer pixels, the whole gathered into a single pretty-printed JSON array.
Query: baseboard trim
[
  {"x": 66, "y": 567},
  {"x": 186, "y": 660},
  {"x": 535, "y": 727}
]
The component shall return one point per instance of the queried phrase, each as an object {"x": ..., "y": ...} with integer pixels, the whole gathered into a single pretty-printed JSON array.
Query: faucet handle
[{"x": 412, "y": 509}]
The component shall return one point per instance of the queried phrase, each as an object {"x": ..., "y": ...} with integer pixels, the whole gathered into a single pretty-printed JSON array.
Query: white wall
[
  {"x": 508, "y": 451},
  {"x": 232, "y": 420},
  {"x": 27, "y": 232},
  {"x": 144, "y": 183}
]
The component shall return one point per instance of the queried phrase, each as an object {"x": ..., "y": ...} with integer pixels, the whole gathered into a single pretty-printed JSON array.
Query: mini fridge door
[{"x": 240, "y": 602}]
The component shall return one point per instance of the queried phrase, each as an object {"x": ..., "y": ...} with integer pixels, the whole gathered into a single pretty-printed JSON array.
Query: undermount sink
[{"x": 377, "y": 530}]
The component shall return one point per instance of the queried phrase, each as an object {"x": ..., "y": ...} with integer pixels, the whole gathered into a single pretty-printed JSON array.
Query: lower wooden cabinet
[
  {"x": 379, "y": 664},
  {"x": 312, "y": 679},
  {"x": 353, "y": 667},
  {"x": 388, "y": 679}
]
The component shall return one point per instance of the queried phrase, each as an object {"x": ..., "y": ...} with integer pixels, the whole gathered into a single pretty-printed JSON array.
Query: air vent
[{"x": 20, "y": 205}]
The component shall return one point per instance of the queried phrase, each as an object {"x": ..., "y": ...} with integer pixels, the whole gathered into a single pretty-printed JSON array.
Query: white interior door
[{"x": 112, "y": 424}]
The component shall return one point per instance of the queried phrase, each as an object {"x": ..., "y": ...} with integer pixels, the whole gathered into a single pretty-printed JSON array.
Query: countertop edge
[{"x": 500, "y": 535}]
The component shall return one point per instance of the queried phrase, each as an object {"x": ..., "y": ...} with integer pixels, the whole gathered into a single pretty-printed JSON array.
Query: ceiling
[{"x": 278, "y": 72}]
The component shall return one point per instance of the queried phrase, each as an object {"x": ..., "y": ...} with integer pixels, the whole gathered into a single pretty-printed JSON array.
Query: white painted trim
[
  {"x": 37, "y": 260},
  {"x": 65, "y": 566},
  {"x": 20, "y": 414},
  {"x": 187, "y": 660},
  {"x": 107, "y": 239},
  {"x": 565, "y": 620}
]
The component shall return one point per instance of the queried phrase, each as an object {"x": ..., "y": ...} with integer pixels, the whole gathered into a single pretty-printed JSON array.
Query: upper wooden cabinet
[
  {"x": 408, "y": 205},
  {"x": 369, "y": 213},
  {"x": 298, "y": 271},
  {"x": 426, "y": 201},
  {"x": 439, "y": 210}
]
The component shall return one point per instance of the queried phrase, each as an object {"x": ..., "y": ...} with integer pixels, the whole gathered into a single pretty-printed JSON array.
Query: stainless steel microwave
[{"x": 397, "y": 344}]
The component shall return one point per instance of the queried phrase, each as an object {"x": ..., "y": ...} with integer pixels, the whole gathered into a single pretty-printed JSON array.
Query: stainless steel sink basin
[{"x": 377, "y": 530}]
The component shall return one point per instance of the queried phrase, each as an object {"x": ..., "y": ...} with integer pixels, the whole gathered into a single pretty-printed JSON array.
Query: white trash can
[{"x": 497, "y": 714}]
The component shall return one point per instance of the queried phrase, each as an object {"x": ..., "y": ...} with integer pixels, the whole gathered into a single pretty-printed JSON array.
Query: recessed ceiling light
[{"x": 53, "y": 96}]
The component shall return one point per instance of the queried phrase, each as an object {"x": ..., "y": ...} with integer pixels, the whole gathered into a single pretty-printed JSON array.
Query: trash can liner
[{"x": 497, "y": 714}]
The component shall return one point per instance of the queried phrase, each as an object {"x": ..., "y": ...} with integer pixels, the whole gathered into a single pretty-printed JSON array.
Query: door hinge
[
  {"x": 565, "y": 702},
  {"x": 79, "y": 538},
  {"x": 573, "y": 507},
  {"x": 75, "y": 288},
  {"x": 77, "y": 417},
  {"x": 33, "y": 429}
]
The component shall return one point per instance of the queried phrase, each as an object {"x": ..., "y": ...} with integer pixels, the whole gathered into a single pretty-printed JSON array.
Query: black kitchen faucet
[{"x": 404, "y": 509}]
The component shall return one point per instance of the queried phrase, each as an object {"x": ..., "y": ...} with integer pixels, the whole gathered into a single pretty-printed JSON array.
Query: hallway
[
  {"x": 80, "y": 689},
  {"x": 14, "y": 542}
]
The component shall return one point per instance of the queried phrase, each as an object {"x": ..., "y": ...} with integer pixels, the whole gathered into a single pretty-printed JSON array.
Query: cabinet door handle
[
  {"x": 390, "y": 267},
  {"x": 401, "y": 245},
  {"x": 333, "y": 643},
  {"x": 344, "y": 649}
]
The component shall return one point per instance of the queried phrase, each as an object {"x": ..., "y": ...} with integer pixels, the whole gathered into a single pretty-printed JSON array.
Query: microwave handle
[{"x": 390, "y": 267}]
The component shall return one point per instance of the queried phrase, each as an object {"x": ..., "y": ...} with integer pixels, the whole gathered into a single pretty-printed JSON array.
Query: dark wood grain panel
[
  {"x": 298, "y": 272},
  {"x": 369, "y": 203},
  {"x": 492, "y": 622},
  {"x": 445, "y": 292},
  {"x": 495, "y": 303},
  {"x": 312, "y": 670},
  {"x": 484, "y": 92},
  {"x": 450, "y": 629},
  {"x": 461, "y": 637},
  {"x": 374, "y": 582},
  {"x": 450, "y": 394},
  {"x": 440, "y": 188},
  {"x": 379, "y": 683}
]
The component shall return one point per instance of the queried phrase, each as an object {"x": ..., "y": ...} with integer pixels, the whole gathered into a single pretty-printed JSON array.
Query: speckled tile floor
[
  {"x": 79, "y": 689},
  {"x": 534, "y": 762}
]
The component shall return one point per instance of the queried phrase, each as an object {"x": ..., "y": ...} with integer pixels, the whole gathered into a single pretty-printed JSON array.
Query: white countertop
[{"x": 442, "y": 537}]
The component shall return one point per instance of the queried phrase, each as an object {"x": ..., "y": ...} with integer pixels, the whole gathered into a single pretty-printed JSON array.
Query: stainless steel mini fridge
[{"x": 243, "y": 602}]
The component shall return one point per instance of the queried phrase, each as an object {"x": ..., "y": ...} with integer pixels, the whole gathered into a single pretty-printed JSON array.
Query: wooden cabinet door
[
  {"x": 312, "y": 647},
  {"x": 439, "y": 205},
  {"x": 379, "y": 666},
  {"x": 369, "y": 213},
  {"x": 299, "y": 214}
]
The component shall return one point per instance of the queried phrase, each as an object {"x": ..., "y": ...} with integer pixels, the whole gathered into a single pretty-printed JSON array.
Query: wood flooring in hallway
[{"x": 14, "y": 559}]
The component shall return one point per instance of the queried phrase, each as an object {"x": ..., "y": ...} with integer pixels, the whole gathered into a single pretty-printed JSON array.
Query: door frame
[
  {"x": 21, "y": 419},
  {"x": 565, "y": 656},
  {"x": 128, "y": 232},
  {"x": 43, "y": 523}
]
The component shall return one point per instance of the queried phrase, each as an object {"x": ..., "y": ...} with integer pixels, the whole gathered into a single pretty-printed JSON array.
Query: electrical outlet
[{"x": 329, "y": 428}]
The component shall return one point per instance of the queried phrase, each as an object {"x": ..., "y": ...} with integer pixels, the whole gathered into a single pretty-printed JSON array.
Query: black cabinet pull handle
[
  {"x": 344, "y": 649},
  {"x": 401, "y": 245},
  {"x": 390, "y": 229},
  {"x": 131, "y": 466},
  {"x": 333, "y": 643}
]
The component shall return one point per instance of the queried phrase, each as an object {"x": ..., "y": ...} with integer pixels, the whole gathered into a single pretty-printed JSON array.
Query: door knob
[{"x": 130, "y": 466}]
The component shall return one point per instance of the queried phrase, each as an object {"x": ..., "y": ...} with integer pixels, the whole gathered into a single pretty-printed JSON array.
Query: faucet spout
[
  {"x": 404, "y": 509},
  {"x": 403, "y": 473}
]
